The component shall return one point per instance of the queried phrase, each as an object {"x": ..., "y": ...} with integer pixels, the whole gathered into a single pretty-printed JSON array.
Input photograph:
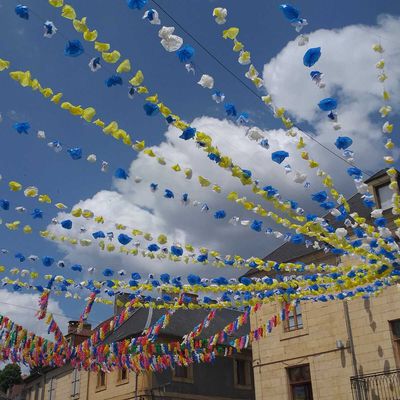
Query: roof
[
  {"x": 377, "y": 175},
  {"x": 181, "y": 323},
  {"x": 290, "y": 251}
]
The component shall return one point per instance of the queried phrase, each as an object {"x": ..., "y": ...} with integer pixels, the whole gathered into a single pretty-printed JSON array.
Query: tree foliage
[{"x": 9, "y": 376}]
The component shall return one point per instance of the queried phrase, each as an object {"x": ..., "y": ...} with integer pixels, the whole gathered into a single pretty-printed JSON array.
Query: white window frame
[
  {"x": 75, "y": 383},
  {"x": 52, "y": 388}
]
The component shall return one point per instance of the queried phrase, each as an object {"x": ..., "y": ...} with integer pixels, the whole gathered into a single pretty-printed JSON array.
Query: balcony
[{"x": 377, "y": 386}]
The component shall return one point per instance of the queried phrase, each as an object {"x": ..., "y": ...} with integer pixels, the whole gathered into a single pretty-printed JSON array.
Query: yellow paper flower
[
  {"x": 56, "y": 98},
  {"x": 112, "y": 57},
  {"x": 56, "y": 3},
  {"x": 31, "y": 191},
  {"x": 125, "y": 66},
  {"x": 14, "y": 186},
  {"x": 4, "y": 64},
  {"x": 80, "y": 25},
  {"x": 88, "y": 114},
  {"x": 137, "y": 79},
  {"x": 90, "y": 36},
  {"x": 230, "y": 33},
  {"x": 101, "y": 47},
  {"x": 68, "y": 12}
]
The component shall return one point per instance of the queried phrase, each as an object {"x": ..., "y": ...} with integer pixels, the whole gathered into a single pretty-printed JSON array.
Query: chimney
[{"x": 75, "y": 335}]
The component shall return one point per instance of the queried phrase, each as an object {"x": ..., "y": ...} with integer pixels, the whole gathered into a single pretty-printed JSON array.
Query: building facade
[
  {"x": 338, "y": 350},
  {"x": 228, "y": 378}
]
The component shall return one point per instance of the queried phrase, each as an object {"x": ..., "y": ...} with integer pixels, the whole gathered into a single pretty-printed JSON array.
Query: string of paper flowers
[{"x": 310, "y": 58}]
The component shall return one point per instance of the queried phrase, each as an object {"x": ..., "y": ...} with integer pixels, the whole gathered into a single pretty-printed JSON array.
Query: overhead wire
[{"x": 243, "y": 83}]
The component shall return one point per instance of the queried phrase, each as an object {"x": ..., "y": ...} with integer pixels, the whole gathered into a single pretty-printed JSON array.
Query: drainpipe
[
  {"x": 351, "y": 344},
  {"x": 87, "y": 385},
  {"x": 136, "y": 384}
]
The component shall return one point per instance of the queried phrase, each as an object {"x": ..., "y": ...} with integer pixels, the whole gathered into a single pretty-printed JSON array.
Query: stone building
[
  {"x": 228, "y": 378},
  {"x": 338, "y": 350}
]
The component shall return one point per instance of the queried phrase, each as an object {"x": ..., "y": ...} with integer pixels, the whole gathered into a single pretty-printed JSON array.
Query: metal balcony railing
[{"x": 377, "y": 386}]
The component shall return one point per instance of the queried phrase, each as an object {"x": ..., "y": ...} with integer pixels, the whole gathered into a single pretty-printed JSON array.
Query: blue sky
[{"x": 26, "y": 159}]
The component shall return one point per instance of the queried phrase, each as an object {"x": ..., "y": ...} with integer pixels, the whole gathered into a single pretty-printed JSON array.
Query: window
[
  {"x": 75, "y": 383},
  {"x": 183, "y": 374},
  {"x": 294, "y": 320},
  {"x": 395, "y": 329},
  {"x": 101, "y": 380},
  {"x": 242, "y": 372},
  {"x": 384, "y": 195},
  {"x": 52, "y": 389},
  {"x": 300, "y": 382},
  {"x": 122, "y": 375}
]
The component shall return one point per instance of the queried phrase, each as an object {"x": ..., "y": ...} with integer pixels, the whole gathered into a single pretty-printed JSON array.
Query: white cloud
[
  {"x": 348, "y": 64},
  {"x": 21, "y": 309}
]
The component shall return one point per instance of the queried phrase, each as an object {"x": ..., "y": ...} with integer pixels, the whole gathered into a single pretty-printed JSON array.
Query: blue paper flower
[
  {"x": 165, "y": 278},
  {"x": 298, "y": 238},
  {"x": 120, "y": 173},
  {"x": 113, "y": 80},
  {"x": 311, "y": 56},
  {"x": 76, "y": 268},
  {"x": 193, "y": 279},
  {"x": 220, "y": 214},
  {"x": 136, "y": 276},
  {"x": 153, "y": 247},
  {"x": 319, "y": 196},
  {"x": 185, "y": 53},
  {"x": 20, "y": 257},
  {"x": 264, "y": 143},
  {"x": 315, "y": 75},
  {"x": 230, "y": 110},
  {"x": 151, "y": 109},
  {"x": 153, "y": 187},
  {"x": 202, "y": 258},
  {"x": 47, "y": 261},
  {"x": 37, "y": 214},
  {"x": 136, "y": 4},
  {"x": 271, "y": 191},
  {"x": 214, "y": 157},
  {"x": 381, "y": 222},
  {"x": 124, "y": 239},
  {"x": 168, "y": 194},
  {"x": 279, "y": 156},
  {"x": 188, "y": 133},
  {"x": 327, "y": 205},
  {"x": 256, "y": 225},
  {"x": 327, "y": 104},
  {"x": 22, "y": 127},
  {"x": 176, "y": 251},
  {"x": 243, "y": 118},
  {"x": 22, "y": 11},
  {"x": 247, "y": 173},
  {"x": 66, "y": 224},
  {"x": 355, "y": 172},
  {"x": 73, "y": 48},
  {"x": 289, "y": 11},
  {"x": 369, "y": 203},
  {"x": 343, "y": 142},
  {"x": 108, "y": 272},
  {"x": 245, "y": 281},
  {"x": 75, "y": 153},
  {"x": 4, "y": 204},
  {"x": 98, "y": 235}
]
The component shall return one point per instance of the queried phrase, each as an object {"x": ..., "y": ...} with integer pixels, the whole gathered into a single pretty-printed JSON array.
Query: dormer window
[{"x": 384, "y": 196}]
